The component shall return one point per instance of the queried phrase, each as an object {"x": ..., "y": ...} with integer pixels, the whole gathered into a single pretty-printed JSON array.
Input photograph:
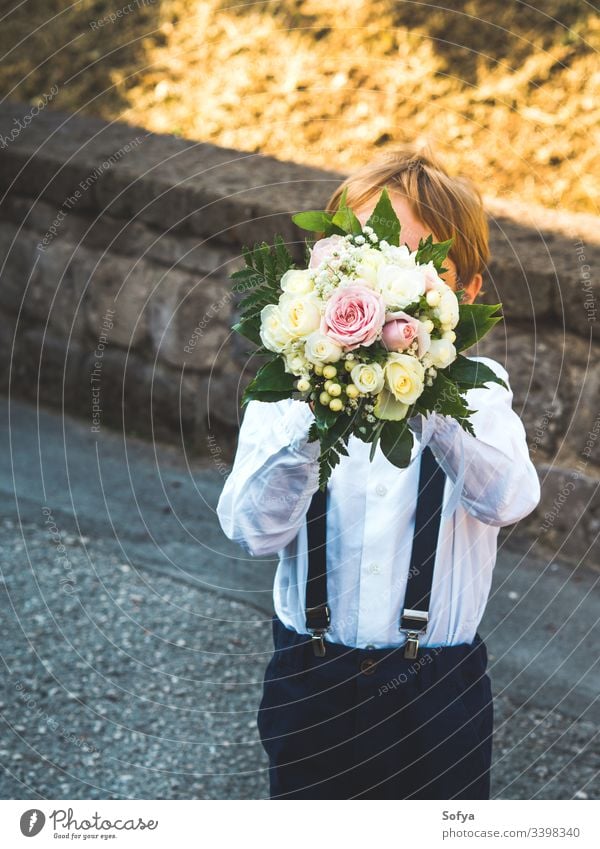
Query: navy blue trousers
[{"x": 370, "y": 724}]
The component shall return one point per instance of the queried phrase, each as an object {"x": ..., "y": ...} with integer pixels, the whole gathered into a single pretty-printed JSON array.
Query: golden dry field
[{"x": 508, "y": 92}]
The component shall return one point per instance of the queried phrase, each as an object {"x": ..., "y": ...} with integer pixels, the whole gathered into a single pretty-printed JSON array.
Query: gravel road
[{"x": 133, "y": 651}]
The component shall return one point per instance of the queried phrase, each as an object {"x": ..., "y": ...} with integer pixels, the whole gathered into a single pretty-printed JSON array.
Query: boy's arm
[
  {"x": 274, "y": 476},
  {"x": 501, "y": 485}
]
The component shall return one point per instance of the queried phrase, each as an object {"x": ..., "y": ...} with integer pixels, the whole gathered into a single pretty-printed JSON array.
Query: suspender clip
[
  {"x": 415, "y": 623},
  {"x": 318, "y": 642},
  {"x": 317, "y": 622},
  {"x": 411, "y": 647}
]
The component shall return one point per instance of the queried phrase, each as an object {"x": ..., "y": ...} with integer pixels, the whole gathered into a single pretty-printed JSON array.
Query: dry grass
[{"x": 506, "y": 92}]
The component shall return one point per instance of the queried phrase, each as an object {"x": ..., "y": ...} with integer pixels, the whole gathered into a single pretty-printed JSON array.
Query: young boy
[{"x": 379, "y": 699}]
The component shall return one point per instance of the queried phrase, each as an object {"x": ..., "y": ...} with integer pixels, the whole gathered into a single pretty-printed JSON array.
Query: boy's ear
[{"x": 472, "y": 288}]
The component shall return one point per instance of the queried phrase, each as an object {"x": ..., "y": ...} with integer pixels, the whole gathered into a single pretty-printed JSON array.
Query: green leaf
[
  {"x": 264, "y": 395},
  {"x": 317, "y": 221},
  {"x": 325, "y": 417},
  {"x": 249, "y": 327},
  {"x": 471, "y": 374},
  {"x": 284, "y": 258},
  {"x": 436, "y": 252},
  {"x": 345, "y": 218},
  {"x": 328, "y": 460},
  {"x": 375, "y": 353},
  {"x": 396, "y": 442},
  {"x": 261, "y": 277},
  {"x": 258, "y": 299},
  {"x": 474, "y": 321},
  {"x": 443, "y": 397},
  {"x": 313, "y": 432},
  {"x": 384, "y": 220},
  {"x": 272, "y": 383}
]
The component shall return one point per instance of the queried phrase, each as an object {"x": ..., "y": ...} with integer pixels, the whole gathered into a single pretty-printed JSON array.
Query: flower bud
[
  {"x": 303, "y": 385},
  {"x": 433, "y": 297},
  {"x": 329, "y": 371},
  {"x": 325, "y": 398},
  {"x": 336, "y": 405},
  {"x": 334, "y": 389},
  {"x": 352, "y": 391}
]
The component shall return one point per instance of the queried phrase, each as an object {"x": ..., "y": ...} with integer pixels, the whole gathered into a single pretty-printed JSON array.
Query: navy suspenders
[
  {"x": 318, "y": 616},
  {"x": 415, "y": 612}
]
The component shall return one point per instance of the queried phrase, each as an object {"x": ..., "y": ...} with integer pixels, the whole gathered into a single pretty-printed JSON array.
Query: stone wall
[{"x": 116, "y": 245}]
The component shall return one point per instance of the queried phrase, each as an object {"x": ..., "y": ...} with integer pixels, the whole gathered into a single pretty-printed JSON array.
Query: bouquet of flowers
[{"x": 369, "y": 333}]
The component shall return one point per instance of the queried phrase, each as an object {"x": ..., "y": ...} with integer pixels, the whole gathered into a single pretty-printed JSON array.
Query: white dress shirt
[{"x": 371, "y": 515}]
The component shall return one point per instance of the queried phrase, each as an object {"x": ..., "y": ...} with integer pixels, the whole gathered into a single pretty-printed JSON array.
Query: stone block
[
  {"x": 545, "y": 370},
  {"x": 189, "y": 320},
  {"x": 121, "y": 289},
  {"x": 567, "y": 520}
]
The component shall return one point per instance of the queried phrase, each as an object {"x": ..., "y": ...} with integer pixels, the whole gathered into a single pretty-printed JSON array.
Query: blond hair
[{"x": 450, "y": 206}]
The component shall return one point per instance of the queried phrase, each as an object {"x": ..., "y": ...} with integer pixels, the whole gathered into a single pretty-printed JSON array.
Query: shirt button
[
  {"x": 373, "y": 569},
  {"x": 380, "y": 489},
  {"x": 370, "y": 646},
  {"x": 368, "y": 666}
]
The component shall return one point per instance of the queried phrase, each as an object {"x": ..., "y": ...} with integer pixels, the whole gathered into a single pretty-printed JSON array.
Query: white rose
[
  {"x": 441, "y": 353},
  {"x": 400, "y": 255},
  {"x": 368, "y": 264},
  {"x": 404, "y": 377},
  {"x": 320, "y": 348},
  {"x": 447, "y": 309},
  {"x": 296, "y": 363},
  {"x": 368, "y": 378},
  {"x": 297, "y": 281},
  {"x": 300, "y": 314},
  {"x": 400, "y": 286},
  {"x": 273, "y": 334}
]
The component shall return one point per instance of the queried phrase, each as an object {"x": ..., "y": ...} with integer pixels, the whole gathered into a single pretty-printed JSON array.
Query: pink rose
[
  {"x": 401, "y": 329},
  {"x": 323, "y": 250},
  {"x": 353, "y": 316}
]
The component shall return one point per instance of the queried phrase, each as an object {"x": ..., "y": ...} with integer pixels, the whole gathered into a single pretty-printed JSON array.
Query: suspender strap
[
  {"x": 318, "y": 616},
  {"x": 415, "y": 613}
]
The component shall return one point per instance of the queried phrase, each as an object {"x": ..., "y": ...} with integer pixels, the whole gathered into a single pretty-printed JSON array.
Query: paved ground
[{"x": 134, "y": 636}]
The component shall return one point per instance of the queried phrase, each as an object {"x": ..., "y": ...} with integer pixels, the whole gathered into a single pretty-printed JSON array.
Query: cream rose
[
  {"x": 368, "y": 378},
  {"x": 400, "y": 286},
  {"x": 404, "y": 377},
  {"x": 297, "y": 281},
  {"x": 273, "y": 334},
  {"x": 400, "y": 255},
  {"x": 447, "y": 309},
  {"x": 300, "y": 314},
  {"x": 320, "y": 348},
  {"x": 441, "y": 353},
  {"x": 368, "y": 266}
]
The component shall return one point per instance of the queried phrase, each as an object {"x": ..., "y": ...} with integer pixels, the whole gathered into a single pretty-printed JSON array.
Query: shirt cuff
[{"x": 439, "y": 427}]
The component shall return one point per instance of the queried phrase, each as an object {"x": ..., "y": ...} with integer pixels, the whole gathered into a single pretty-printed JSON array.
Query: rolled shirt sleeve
[
  {"x": 273, "y": 478},
  {"x": 498, "y": 481}
]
